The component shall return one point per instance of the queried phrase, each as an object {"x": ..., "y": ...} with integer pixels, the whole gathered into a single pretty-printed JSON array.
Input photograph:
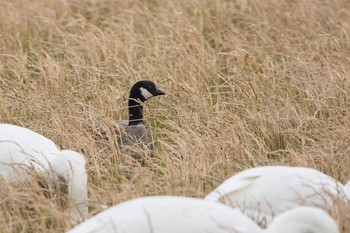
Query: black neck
[{"x": 135, "y": 112}]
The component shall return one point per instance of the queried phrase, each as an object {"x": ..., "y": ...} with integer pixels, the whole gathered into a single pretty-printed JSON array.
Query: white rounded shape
[
  {"x": 347, "y": 188},
  {"x": 20, "y": 146},
  {"x": 21, "y": 149},
  {"x": 303, "y": 219},
  {"x": 265, "y": 192},
  {"x": 168, "y": 214}
]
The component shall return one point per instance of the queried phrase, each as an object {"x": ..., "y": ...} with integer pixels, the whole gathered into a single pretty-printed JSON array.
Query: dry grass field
[{"x": 248, "y": 83}]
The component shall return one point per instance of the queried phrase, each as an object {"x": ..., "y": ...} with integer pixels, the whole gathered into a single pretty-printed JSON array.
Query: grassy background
[{"x": 248, "y": 83}]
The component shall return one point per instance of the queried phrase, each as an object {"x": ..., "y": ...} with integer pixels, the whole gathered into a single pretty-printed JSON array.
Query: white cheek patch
[{"x": 145, "y": 93}]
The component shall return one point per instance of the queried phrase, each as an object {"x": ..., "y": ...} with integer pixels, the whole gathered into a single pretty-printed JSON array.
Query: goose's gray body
[{"x": 134, "y": 140}]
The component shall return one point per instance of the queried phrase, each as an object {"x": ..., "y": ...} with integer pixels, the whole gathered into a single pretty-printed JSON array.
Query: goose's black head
[
  {"x": 143, "y": 90},
  {"x": 140, "y": 91}
]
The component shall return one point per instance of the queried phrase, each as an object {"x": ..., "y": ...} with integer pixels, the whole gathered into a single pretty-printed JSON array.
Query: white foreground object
[
  {"x": 22, "y": 149},
  {"x": 347, "y": 188},
  {"x": 265, "y": 192},
  {"x": 304, "y": 219},
  {"x": 170, "y": 214}
]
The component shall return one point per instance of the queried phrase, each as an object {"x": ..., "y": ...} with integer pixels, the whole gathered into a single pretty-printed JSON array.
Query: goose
[
  {"x": 172, "y": 214},
  {"x": 132, "y": 134},
  {"x": 22, "y": 150},
  {"x": 265, "y": 192}
]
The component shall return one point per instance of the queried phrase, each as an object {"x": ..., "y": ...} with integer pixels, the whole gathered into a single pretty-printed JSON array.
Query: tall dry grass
[{"x": 248, "y": 83}]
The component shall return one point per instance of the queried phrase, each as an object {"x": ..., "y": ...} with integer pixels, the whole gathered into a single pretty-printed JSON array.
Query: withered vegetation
[{"x": 248, "y": 83}]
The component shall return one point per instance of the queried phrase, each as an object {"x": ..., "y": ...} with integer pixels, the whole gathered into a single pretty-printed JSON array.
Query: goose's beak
[{"x": 159, "y": 92}]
